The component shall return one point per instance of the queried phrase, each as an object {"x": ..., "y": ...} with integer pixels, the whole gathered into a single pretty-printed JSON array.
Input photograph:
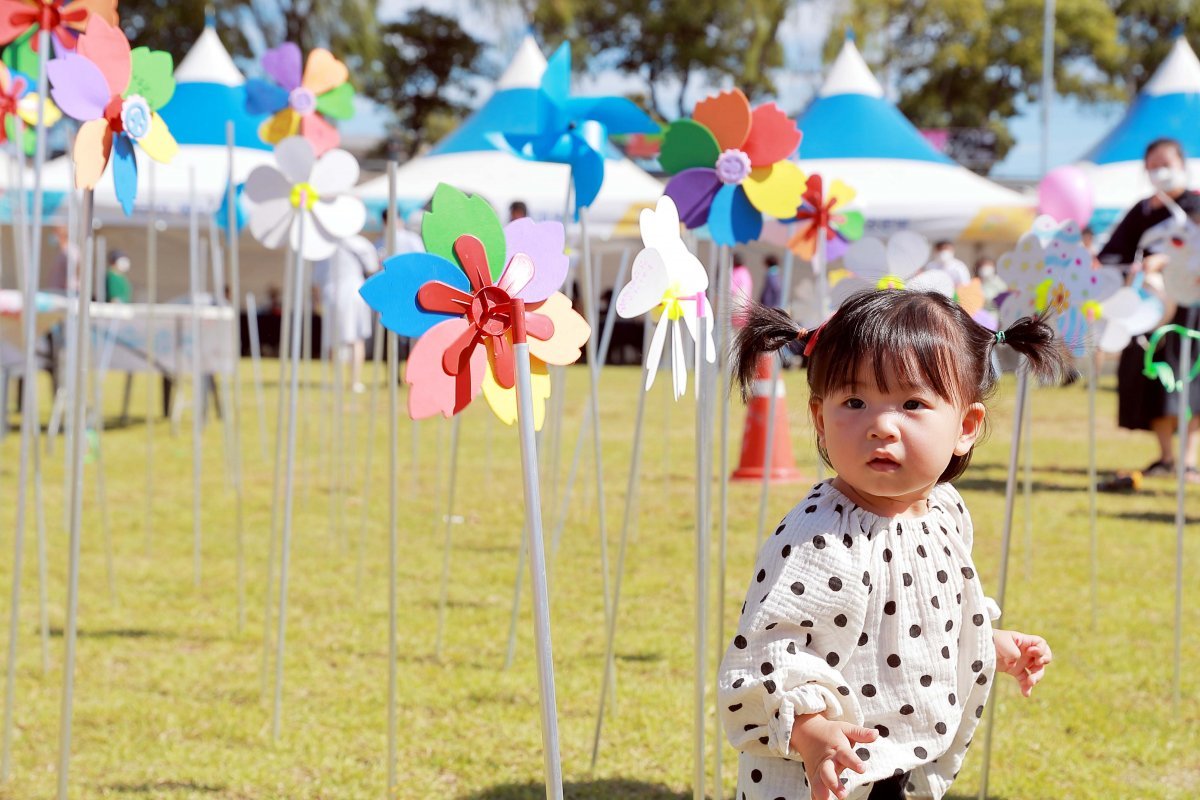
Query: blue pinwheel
[{"x": 574, "y": 130}]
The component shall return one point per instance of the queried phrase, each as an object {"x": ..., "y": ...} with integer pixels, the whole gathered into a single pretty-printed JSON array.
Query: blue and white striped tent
[
  {"x": 1168, "y": 105},
  {"x": 853, "y": 133}
]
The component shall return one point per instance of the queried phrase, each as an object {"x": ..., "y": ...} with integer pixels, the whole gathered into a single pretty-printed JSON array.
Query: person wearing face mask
[
  {"x": 117, "y": 288},
  {"x": 991, "y": 283},
  {"x": 945, "y": 260},
  {"x": 1143, "y": 403}
]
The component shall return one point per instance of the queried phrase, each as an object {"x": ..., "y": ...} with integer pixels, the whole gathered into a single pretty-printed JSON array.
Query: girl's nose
[{"x": 883, "y": 426}]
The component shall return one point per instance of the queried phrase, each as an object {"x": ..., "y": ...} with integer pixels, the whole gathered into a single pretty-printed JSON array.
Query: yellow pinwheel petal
[
  {"x": 285, "y": 123},
  {"x": 504, "y": 401},
  {"x": 158, "y": 143},
  {"x": 27, "y": 109},
  {"x": 841, "y": 194},
  {"x": 571, "y": 332},
  {"x": 777, "y": 189}
]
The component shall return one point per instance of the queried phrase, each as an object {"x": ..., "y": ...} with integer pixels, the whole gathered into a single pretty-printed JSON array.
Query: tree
[
  {"x": 669, "y": 42},
  {"x": 423, "y": 76},
  {"x": 971, "y": 63},
  {"x": 1147, "y": 28}
]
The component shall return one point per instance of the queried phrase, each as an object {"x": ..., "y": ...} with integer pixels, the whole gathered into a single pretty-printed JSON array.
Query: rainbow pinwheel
[
  {"x": 457, "y": 298},
  {"x": 1051, "y": 270},
  {"x": 573, "y": 130},
  {"x": 115, "y": 93},
  {"x": 300, "y": 103},
  {"x": 825, "y": 215},
  {"x": 64, "y": 20},
  {"x": 666, "y": 277},
  {"x": 17, "y": 102},
  {"x": 896, "y": 265},
  {"x": 305, "y": 192},
  {"x": 730, "y": 166}
]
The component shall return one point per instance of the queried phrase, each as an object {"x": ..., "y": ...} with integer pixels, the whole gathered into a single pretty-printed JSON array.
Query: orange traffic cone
[{"x": 754, "y": 436}]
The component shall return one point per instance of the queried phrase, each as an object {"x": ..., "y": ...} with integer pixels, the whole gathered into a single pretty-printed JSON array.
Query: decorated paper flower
[
  {"x": 17, "y": 102},
  {"x": 457, "y": 297},
  {"x": 307, "y": 188},
  {"x": 1051, "y": 270},
  {"x": 730, "y": 166},
  {"x": 896, "y": 265},
  {"x": 825, "y": 215},
  {"x": 564, "y": 129},
  {"x": 116, "y": 94},
  {"x": 64, "y": 19},
  {"x": 1181, "y": 276},
  {"x": 666, "y": 277},
  {"x": 301, "y": 103}
]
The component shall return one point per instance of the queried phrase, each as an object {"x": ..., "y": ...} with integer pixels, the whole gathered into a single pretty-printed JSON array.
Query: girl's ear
[
  {"x": 972, "y": 428},
  {"x": 818, "y": 417}
]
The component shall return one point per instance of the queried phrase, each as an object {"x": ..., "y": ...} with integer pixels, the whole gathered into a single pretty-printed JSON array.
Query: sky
[{"x": 1074, "y": 128}]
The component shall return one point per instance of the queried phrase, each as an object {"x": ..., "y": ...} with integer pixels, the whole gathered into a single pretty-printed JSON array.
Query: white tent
[
  {"x": 853, "y": 134},
  {"x": 209, "y": 91},
  {"x": 1168, "y": 105},
  {"x": 469, "y": 160}
]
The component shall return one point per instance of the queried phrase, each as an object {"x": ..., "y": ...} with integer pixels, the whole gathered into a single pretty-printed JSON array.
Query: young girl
[{"x": 865, "y": 651}]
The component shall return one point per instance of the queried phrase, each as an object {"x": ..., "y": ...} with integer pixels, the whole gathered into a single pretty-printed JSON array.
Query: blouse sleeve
[
  {"x": 1121, "y": 247},
  {"x": 803, "y": 612},
  {"x": 957, "y": 510}
]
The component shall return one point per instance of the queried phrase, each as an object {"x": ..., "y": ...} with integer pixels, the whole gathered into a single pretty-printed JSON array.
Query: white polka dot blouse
[{"x": 874, "y": 621}]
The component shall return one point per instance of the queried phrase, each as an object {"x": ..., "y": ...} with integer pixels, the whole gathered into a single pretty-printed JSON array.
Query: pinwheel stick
[
  {"x": 1010, "y": 497},
  {"x": 198, "y": 396},
  {"x": 724, "y": 331},
  {"x": 235, "y": 412},
  {"x": 289, "y": 475},
  {"x": 455, "y": 424},
  {"x": 537, "y": 557},
  {"x": 393, "y": 381},
  {"x": 703, "y": 489},
  {"x": 256, "y": 370},
  {"x": 75, "y": 512},
  {"x": 151, "y": 355},
  {"x": 1027, "y": 484},
  {"x": 1090, "y": 355},
  {"x": 1184, "y": 418}
]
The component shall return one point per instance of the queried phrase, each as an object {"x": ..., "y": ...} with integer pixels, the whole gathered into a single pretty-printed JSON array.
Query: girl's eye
[
  {"x": 913, "y": 405},
  {"x": 855, "y": 402}
]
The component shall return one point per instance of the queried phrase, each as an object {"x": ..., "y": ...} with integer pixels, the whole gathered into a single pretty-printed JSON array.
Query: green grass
[{"x": 168, "y": 700}]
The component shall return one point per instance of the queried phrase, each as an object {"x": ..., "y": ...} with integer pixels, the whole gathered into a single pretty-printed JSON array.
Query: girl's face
[{"x": 891, "y": 446}]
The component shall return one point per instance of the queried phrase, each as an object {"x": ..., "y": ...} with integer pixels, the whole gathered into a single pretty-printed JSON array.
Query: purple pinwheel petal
[
  {"x": 544, "y": 243},
  {"x": 78, "y": 87},
  {"x": 835, "y": 248},
  {"x": 284, "y": 64},
  {"x": 693, "y": 191}
]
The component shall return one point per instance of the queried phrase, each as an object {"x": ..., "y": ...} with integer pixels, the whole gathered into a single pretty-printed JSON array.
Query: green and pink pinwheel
[{"x": 457, "y": 298}]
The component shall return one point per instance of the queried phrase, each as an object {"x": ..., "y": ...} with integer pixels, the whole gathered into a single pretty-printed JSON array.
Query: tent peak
[
  {"x": 526, "y": 68},
  {"x": 850, "y": 74},
  {"x": 209, "y": 62},
  {"x": 1178, "y": 73}
]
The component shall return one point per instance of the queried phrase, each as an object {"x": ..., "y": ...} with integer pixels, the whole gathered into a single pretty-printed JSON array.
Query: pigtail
[
  {"x": 1034, "y": 338},
  {"x": 765, "y": 330}
]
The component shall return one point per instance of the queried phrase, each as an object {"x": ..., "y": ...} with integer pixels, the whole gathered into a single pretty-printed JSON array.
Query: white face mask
[
  {"x": 122, "y": 264},
  {"x": 945, "y": 256},
  {"x": 1168, "y": 179},
  {"x": 987, "y": 272}
]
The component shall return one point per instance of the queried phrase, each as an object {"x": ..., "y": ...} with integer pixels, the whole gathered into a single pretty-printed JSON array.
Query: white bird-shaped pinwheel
[
  {"x": 1181, "y": 278},
  {"x": 1130, "y": 311},
  {"x": 896, "y": 265},
  {"x": 668, "y": 277},
  {"x": 309, "y": 188}
]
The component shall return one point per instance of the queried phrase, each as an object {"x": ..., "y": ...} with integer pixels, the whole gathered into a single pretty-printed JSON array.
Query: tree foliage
[
  {"x": 669, "y": 43},
  {"x": 971, "y": 63}
]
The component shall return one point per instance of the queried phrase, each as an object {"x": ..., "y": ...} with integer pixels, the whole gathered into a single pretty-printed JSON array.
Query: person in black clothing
[{"x": 1143, "y": 403}]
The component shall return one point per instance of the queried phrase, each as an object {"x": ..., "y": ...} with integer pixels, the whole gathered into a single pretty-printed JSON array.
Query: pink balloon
[{"x": 1066, "y": 193}]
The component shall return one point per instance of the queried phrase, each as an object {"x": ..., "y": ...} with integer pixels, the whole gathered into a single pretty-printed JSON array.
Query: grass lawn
[{"x": 169, "y": 701}]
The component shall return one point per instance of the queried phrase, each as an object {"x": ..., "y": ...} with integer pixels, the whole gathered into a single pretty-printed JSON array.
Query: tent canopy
[
  {"x": 852, "y": 133},
  {"x": 470, "y": 160}
]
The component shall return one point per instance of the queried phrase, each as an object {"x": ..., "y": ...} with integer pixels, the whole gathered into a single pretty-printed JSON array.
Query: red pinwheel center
[
  {"x": 491, "y": 311},
  {"x": 8, "y": 104},
  {"x": 49, "y": 16},
  {"x": 302, "y": 101},
  {"x": 733, "y": 166},
  {"x": 112, "y": 114}
]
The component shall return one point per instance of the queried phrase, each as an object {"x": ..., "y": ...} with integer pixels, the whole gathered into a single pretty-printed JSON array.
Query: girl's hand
[
  {"x": 1023, "y": 656},
  {"x": 827, "y": 747}
]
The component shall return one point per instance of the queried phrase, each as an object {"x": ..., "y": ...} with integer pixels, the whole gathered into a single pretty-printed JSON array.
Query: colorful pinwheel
[
  {"x": 457, "y": 296},
  {"x": 730, "y": 166},
  {"x": 300, "y": 103},
  {"x": 825, "y": 215},
  {"x": 305, "y": 192},
  {"x": 896, "y": 265},
  {"x": 666, "y": 277},
  {"x": 17, "y": 102},
  {"x": 573, "y": 130},
  {"x": 115, "y": 93},
  {"x": 64, "y": 19}
]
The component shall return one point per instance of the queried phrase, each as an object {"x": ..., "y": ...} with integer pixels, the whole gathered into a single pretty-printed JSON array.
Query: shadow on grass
[
  {"x": 976, "y": 483},
  {"x": 1157, "y": 517},
  {"x": 159, "y": 788},
  {"x": 611, "y": 789},
  {"x": 118, "y": 633}
]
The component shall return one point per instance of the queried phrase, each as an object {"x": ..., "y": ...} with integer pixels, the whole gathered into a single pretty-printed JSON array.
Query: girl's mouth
[{"x": 883, "y": 464}]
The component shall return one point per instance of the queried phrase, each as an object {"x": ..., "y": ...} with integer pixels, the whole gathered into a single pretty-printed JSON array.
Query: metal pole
[
  {"x": 235, "y": 412},
  {"x": 1184, "y": 417},
  {"x": 151, "y": 347},
  {"x": 198, "y": 391},
  {"x": 455, "y": 424},
  {"x": 1047, "y": 80}
]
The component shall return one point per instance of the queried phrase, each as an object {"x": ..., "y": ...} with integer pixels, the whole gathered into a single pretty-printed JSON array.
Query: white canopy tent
[{"x": 469, "y": 160}]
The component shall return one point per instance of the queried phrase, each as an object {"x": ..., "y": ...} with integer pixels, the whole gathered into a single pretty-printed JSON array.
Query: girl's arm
[{"x": 801, "y": 620}]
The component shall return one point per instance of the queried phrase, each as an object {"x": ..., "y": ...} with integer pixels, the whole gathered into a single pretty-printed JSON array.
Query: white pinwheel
[
  {"x": 895, "y": 265},
  {"x": 1181, "y": 278},
  {"x": 306, "y": 188},
  {"x": 668, "y": 277},
  {"x": 1130, "y": 311}
]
